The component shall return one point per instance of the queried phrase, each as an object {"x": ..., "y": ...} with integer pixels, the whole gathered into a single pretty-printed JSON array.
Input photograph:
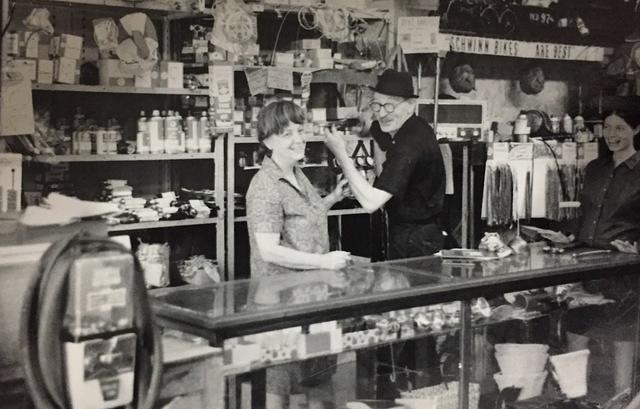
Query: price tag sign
[
  {"x": 257, "y": 80},
  {"x": 280, "y": 78}
]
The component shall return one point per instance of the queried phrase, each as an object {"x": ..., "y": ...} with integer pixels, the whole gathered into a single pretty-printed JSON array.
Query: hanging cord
[
  {"x": 563, "y": 188},
  {"x": 275, "y": 45}
]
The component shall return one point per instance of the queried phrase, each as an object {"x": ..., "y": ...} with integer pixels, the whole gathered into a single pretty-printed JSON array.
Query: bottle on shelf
[
  {"x": 155, "y": 130},
  {"x": 142, "y": 136},
  {"x": 204, "y": 141},
  {"x": 192, "y": 134},
  {"x": 172, "y": 133}
]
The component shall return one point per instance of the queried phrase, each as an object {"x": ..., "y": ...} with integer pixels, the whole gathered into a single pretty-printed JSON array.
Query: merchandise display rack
[{"x": 116, "y": 90}]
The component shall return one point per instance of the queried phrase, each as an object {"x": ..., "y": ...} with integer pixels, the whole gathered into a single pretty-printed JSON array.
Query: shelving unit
[
  {"x": 116, "y": 90},
  {"x": 162, "y": 224},
  {"x": 122, "y": 158}
]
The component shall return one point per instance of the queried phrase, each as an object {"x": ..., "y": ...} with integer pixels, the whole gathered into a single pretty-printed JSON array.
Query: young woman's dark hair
[
  {"x": 632, "y": 118},
  {"x": 274, "y": 118}
]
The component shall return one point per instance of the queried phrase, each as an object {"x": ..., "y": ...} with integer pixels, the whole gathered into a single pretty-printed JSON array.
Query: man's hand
[
  {"x": 335, "y": 143},
  {"x": 625, "y": 246},
  {"x": 557, "y": 237},
  {"x": 335, "y": 260}
]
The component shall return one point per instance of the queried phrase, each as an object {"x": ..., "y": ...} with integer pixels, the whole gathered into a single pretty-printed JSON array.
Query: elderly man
[{"x": 412, "y": 180}]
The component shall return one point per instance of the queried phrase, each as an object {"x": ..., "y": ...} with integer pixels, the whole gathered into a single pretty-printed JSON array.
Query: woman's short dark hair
[{"x": 274, "y": 118}]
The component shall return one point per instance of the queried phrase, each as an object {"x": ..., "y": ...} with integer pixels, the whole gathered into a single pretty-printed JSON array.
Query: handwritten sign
[
  {"x": 257, "y": 80},
  {"x": 418, "y": 35},
  {"x": 280, "y": 78},
  {"x": 521, "y": 49}
]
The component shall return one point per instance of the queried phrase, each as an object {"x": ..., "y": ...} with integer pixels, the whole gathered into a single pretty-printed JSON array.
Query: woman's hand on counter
[
  {"x": 335, "y": 260},
  {"x": 625, "y": 246}
]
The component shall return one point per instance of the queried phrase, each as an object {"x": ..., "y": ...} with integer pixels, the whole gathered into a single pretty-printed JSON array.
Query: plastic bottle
[
  {"x": 171, "y": 133},
  {"x": 567, "y": 124},
  {"x": 142, "y": 136},
  {"x": 193, "y": 133},
  {"x": 204, "y": 141},
  {"x": 155, "y": 130}
]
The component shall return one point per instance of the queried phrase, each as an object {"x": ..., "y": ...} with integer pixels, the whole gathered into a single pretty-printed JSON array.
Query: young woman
[
  {"x": 611, "y": 219},
  {"x": 286, "y": 216}
]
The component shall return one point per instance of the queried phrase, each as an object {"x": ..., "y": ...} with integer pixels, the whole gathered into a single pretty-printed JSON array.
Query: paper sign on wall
[
  {"x": 418, "y": 35},
  {"x": 257, "y": 80},
  {"x": 280, "y": 78},
  {"x": 16, "y": 104}
]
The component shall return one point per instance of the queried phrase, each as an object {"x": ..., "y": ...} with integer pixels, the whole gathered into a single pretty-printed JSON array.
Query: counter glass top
[{"x": 321, "y": 295}]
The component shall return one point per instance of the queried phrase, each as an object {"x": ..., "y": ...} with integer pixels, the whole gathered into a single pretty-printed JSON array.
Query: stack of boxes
[{"x": 66, "y": 50}]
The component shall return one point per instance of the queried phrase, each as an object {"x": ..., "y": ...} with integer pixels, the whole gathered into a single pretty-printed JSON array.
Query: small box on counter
[
  {"x": 112, "y": 75},
  {"x": 241, "y": 353},
  {"x": 45, "y": 71},
  {"x": 319, "y": 115},
  {"x": 320, "y": 54},
  {"x": 342, "y": 113},
  {"x": 28, "y": 68},
  {"x": 306, "y": 44},
  {"x": 28, "y": 42}
]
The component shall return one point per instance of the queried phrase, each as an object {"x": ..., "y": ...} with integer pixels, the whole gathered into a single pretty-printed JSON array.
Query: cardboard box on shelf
[
  {"x": 284, "y": 59},
  {"x": 112, "y": 75},
  {"x": 175, "y": 74},
  {"x": 28, "y": 68},
  {"x": 143, "y": 80},
  {"x": 28, "y": 42},
  {"x": 306, "y": 44},
  {"x": 70, "y": 46},
  {"x": 320, "y": 54},
  {"x": 45, "y": 72}
]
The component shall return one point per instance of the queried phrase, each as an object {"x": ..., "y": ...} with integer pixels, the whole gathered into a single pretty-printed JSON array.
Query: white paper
[
  {"x": 419, "y": 35},
  {"x": 16, "y": 105}
]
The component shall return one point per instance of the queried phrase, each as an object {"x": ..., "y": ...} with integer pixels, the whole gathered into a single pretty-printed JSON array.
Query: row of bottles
[{"x": 169, "y": 133}]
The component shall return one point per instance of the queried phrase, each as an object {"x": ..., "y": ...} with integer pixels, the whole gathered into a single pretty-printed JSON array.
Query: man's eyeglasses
[{"x": 388, "y": 107}]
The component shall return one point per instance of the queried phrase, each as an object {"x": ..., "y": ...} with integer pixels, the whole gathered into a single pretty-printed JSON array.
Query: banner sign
[{"x": 519, "y": 49}]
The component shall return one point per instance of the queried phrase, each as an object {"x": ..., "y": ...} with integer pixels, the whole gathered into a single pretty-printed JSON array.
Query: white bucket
[
  {"x": 570, "y": 370},
  {"x": 521, "y": 364},
  {"x": 530, "y": 385}
]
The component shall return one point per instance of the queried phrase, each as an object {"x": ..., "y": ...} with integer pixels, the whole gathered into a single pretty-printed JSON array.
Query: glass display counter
[{"x": 424, "y": 333}]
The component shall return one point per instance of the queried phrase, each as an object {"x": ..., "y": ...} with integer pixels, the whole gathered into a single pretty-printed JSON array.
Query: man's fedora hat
[{"x": 396, "y": 84}]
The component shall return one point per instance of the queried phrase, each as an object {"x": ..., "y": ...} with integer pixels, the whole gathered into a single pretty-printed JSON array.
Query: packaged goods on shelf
[
  {"x": 241, "y": 352},
  {"x": 28, "y": 68},
  {"x": 199, "y": 270},
  {"x": 111, "y": 74},
  {"x": 66, "y": 70},
  {"x": 45, "y": 72},
  {"x": 29, "y": 43},
  {"x": 169, "y": 74},
  {"x": 70, "y": 46},
  {"x": 143, "y": 80},
  {"x": 306, "y": 44}
]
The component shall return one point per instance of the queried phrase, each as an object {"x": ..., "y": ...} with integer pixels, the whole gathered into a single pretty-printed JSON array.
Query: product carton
[
  {"x": 70, "y": 46},
  {"x": 28, "y": 42},
  {"x": 284, "y": 59},
  {"x": 10, "y": 182},
  {"x": 306, "y": 44},
  {"x": 28, "y": 68},
  {"x": 143, "y": 80},
  {"x": 112, "y": 75},
  {"x": 221, "y": 95},
  {"x": 320, "y": 54},
  {"x": 175, "y": 74},
  {"x": 45, "y": 71},
  {"x": 66, "y": 71}
]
